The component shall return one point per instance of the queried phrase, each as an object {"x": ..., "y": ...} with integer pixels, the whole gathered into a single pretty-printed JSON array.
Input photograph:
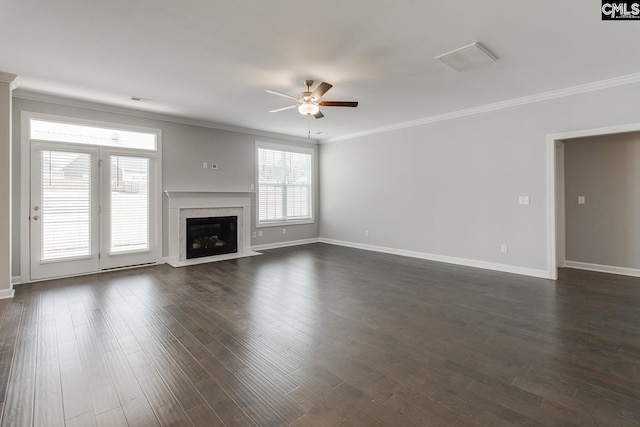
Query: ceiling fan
[{"x": 309, "y": 103}]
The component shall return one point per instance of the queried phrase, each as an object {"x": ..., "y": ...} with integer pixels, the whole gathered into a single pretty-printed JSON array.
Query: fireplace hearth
[{"x": 211, "y": 236}]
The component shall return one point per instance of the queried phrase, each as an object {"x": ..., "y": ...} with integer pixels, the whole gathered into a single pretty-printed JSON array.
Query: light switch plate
[
  {"x": 582, "y": 200},
  {"x": 524, "y": 200}
]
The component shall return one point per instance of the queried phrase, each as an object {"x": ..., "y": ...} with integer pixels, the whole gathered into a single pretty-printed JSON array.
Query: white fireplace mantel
[{"x": 187, "y": 204}]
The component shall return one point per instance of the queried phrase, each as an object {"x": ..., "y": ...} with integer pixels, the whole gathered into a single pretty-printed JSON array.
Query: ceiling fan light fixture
[{"x": 308, "y": 108}]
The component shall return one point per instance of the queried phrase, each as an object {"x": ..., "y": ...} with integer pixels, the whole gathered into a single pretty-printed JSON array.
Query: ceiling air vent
[{"x": 467, "y": 57}]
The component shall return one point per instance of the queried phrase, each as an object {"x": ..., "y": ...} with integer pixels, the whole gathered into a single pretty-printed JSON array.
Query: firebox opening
[{"x": 211, "y": 236}]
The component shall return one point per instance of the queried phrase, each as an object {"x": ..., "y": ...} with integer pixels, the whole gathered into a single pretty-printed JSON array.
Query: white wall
[
  {"x": 184, "y": 149},
  {"x": 450, "y": 189}
]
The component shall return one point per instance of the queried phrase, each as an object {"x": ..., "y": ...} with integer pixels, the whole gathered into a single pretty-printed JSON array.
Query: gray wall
[
  {"x": 184, "y": 149},
  {"x": 451, "y": 188},
  {"x": 606, "y": 229}
]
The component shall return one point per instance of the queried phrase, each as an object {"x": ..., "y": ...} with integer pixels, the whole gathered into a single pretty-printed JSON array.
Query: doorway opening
[{"x": 556, "y": 242}]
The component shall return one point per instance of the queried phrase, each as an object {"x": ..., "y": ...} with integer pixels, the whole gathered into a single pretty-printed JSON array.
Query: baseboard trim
[
  {"x": 259, "y": 248},
  {"x": 523, "y": 271},
  {"x": 108, "y": 270},
  {"x": 16, "y": 280},
  {"x": 7, "y": 293},
  {"x": 624, "y": 271}
]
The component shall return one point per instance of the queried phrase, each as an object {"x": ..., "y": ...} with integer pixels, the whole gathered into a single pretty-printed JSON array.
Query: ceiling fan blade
[
  {"x": 321, "y": 90},
  {"x": 318, "y": 115},
  {"x": 280, "y": 94},
  {"x": 282, "y": 109},
  {"x": 338, "y": 103}
]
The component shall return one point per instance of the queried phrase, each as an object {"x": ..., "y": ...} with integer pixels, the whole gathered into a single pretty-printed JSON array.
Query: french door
[{"x": 91, "y": 209}]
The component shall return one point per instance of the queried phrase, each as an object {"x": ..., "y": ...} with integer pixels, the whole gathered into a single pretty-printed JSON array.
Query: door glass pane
[
  {"x": 66, "y": 205},
  {"x": 129, "y": 204}
]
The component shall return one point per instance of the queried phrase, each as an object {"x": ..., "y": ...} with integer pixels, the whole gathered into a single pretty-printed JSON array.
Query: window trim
[{"x": 291, "y": 149}]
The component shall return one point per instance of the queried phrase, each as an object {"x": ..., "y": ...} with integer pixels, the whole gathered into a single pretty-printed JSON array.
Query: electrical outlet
[
  {"x": 260, "y": 233},
  {"x": 524, "y": 200},
  {"x": 204, "y": 165},
  {"x": 504, "y": 248},
  {"x": 581, "y": 200},
  {"x": 284, "y": 231},
  {"x": 253, "y": 186},
  {"x": 366, "y": 233}
]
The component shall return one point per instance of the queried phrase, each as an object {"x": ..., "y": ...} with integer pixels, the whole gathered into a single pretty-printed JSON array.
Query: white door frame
[
  {"x": 555, "y": 175},
  {"x": 25, "y": 180}
]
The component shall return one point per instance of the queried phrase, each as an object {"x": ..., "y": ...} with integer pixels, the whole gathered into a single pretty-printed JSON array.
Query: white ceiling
[{"x": 212, "y": 60}]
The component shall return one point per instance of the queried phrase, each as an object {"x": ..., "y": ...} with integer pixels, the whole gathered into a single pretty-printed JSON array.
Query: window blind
[
  {"x": 284, "y": 186},
  {"x": 129, "y": 204},
  {"x": 65, "y": 204}
]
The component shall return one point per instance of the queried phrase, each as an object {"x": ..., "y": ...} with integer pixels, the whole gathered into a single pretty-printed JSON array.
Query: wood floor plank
[
  {"x": 278, "y": 401},
  {"x": 322, "y": 407},
  {"x": 183, "y": 389},
  {"x": 320, "y": 335},
  {"x": 203, "y": 416},
  {"x": 75, "y": 388},
  {"x": 48, "y": 395},
  {"x": 257, "y": 362},
  {"x": 84, "y": 420},
  {"x": 21, "y": 388},
  {"x": 8, "y": 336},
  {"x": 48, "y": 386},
  {"x": 261, "y": 413},
  {"x": 18, "y": 410},
  {"x": 224, "y": 406},
  {"x": 113, "y": 418},
  {"x": 163, "y": 403},
  {"x": 135, "y": 406},
  {"x": 104, "y": 396}
]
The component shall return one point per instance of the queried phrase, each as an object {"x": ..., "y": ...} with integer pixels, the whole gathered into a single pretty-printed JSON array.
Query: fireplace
[
  {"x": 185, "y": 205},
  {"x": 211, "y": 236}
]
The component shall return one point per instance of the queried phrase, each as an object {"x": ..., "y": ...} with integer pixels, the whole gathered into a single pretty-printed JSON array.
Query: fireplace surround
[{"x": 183, "y": 205}]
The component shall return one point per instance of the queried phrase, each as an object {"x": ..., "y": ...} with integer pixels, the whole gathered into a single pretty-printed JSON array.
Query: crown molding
[
  {"x": 9, "y": 78},
  {"x": 496, "y": 106},
  {"x": 88, "y": 105},
  {"x": 501, "y": 105}
]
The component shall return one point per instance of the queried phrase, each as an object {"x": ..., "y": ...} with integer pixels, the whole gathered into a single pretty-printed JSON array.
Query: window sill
[{"x": 285, "y": 223}]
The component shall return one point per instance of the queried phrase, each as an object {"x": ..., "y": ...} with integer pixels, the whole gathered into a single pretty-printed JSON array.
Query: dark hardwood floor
[{"x": 321, "y": 335}]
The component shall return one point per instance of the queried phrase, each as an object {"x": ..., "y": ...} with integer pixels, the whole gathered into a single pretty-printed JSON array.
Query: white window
[
  {"x": 45, "y": 130},
  {"x": 285, "y": 184}
]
